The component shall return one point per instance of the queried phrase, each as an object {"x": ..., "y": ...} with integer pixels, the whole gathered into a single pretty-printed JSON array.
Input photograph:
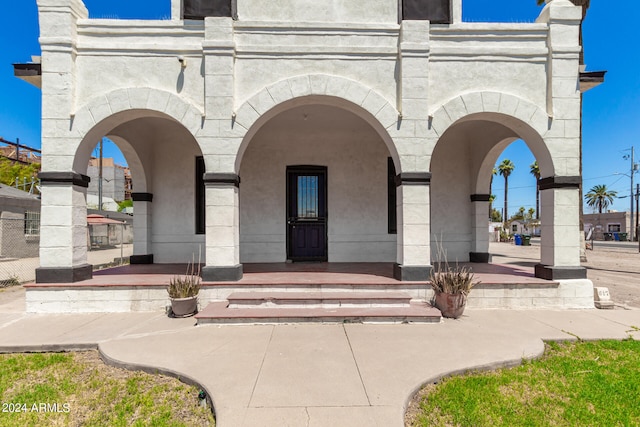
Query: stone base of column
[
  {"x": 141, "y": 259},
  {"x": 64, "y": 274},
  {"x": 549, "y": 272},
  {"x": 222, "y": 274},
  {"x": 412, "y": 273},
  {"x": 480, "y": 257}
]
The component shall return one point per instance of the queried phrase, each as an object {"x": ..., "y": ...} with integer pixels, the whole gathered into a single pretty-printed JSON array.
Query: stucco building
[{"x": 339, "y": 131}]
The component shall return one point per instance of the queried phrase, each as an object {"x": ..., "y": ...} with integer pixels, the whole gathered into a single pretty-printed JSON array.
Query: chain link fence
[{"x": 20, "y": 246}]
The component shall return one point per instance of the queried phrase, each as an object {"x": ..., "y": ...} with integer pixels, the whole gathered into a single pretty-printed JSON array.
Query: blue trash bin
[{"x": 517, "y": 239}]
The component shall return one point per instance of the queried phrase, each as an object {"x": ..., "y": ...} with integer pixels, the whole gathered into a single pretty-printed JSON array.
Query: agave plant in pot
[
  {"x": 183, "y": 292},
  {"x": 451, "y": 286}
]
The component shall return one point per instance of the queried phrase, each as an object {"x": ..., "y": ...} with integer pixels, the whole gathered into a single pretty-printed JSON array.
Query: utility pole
[
  {"x": 633, "y": 228},
  {"x": 100, "y": 179},
  {"x": 634, "y": 167},
  {"x": 637, "y": 212}
]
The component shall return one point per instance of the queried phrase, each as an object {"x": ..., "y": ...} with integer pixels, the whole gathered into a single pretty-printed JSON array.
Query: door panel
[{"x": 307, "y": 213}]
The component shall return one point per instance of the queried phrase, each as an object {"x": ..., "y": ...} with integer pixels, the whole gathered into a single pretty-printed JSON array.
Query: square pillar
[
  {"x": 63, "y": 228},
  {"x": 480, "y": 229},
  {"x": 414, "y": 227},
  {"x": 222, "y": 228},
  {"x": 560, "y": 239},
  {"x": 142, "y": 214}
]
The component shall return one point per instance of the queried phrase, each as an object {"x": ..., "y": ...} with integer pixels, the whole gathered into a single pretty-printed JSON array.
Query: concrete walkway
[{"x": 309, "y": 374}]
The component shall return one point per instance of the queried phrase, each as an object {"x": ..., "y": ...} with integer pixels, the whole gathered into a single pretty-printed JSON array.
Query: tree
[
  {"x": 496, "y": 216},
  {"x": 10, "y": 170},
  {"x": 125, "y": 204},
  {"x": 599, "y": 197},
  {"x": 505, "y": 168},
  {"x": 535, "y": 171},
  {"x": 492, "y": 197}
]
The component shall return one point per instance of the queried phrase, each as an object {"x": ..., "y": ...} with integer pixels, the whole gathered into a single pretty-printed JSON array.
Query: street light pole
[
  {"x": 632, "y": 231},
  {"x": 633, "y": 228}
]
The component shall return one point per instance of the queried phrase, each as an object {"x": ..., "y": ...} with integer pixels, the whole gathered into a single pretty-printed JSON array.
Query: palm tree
[
  {"x": 535, "y": 171},
  {"x": 492, "y": 197},
  {"x": 505, "y": 168},
  {"x": 599, "y": 197}
]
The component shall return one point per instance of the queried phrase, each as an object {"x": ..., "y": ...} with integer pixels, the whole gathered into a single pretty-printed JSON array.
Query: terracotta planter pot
[
  {"x": 450, "y": 305},
  {"x": 184, "y": 307}
]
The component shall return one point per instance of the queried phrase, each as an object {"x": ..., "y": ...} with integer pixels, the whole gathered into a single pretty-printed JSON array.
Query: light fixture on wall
[{"x": 182, "y": 61}]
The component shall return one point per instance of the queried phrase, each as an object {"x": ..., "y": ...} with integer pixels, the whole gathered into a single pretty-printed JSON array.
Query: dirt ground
[{"x": 615, "y": 268}]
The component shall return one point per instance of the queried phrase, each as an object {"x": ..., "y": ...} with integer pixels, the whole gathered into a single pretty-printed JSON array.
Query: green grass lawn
[
  {"x": 60, "y": 389},
  {"x": 573, "y": 384}
]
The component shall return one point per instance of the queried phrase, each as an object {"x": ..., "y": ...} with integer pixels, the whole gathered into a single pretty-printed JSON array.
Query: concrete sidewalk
[{"x": 311, "y": 374}]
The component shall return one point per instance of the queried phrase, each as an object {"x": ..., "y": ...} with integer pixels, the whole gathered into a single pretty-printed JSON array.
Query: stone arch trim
[
  {"x": 104, "y": 106},
  {"x": 489, "y": 102},
  {"x": 316, "y": 84},
  {"x": 263, "y": 105},
  {"x": 528, "y": 120}
]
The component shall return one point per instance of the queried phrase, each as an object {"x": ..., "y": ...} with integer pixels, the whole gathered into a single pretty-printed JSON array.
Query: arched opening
[
  {"x": 461, "y": 184},
  {"x": 168, "y": 199},
  {"x": 316, "y": 175}
]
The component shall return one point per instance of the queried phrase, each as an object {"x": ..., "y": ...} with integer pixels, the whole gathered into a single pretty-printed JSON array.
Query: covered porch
[{"x": 142, "y": 287}]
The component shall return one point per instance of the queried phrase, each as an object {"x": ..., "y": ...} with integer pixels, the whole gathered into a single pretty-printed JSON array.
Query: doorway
[{"x": 307, "y": 213}]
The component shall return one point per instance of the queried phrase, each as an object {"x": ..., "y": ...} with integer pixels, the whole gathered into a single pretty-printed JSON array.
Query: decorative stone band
[
  {"x": 141, "y": 259},
  {"x": 550, "y": 272},
  {"x": 413, "y": 178},
  {"x": 64, "y": 274},
  {"x": 411, "y": 273},
  {"x": 221, "y": 179},
  {"x": 481, "y": 197},
  {"x": 480, "y": 257},
  {"x": 222, "y": 274},
  {"x": 142, "y": 197},
  {"x": 64, "y": 178},
  {"x": 554, "y": 182}
]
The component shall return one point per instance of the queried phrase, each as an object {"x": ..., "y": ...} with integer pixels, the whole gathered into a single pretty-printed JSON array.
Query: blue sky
[{"x": 611, "y": 111}]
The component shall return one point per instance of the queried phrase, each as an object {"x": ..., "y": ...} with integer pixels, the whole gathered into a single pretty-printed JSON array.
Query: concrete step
[
  {"x": 220, "y": 313},
  {"x": 318, "y": 299}
]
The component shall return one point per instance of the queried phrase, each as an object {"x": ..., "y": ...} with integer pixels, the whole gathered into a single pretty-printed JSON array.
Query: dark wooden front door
[{"x": 307, "y": 213}]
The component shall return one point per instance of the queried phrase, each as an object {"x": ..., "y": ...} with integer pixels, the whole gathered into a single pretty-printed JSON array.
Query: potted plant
[
  {"x": 183, "y": 292},
  {"x": 451, "y": 286}
]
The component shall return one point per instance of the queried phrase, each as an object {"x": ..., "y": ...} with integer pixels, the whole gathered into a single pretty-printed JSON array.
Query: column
[
  {"x": 480, "y": 229},
  {"x": 222, "y": 228},
  {"x": 560, "y": 239},
  {"x": 414, "y": 229},
  {"x": 142, "y": 213},
  {"x": 63, "y": 228}
]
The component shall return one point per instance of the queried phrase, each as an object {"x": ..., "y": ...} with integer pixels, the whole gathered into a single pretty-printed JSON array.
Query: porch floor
[{"x": 297, "y": 273}]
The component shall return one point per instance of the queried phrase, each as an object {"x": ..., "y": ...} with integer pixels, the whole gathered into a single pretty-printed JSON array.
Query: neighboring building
[
  {"x": 114, "y": 182},
  {"x": 19, "y": 223},
  {"x": 524, "y": 227},
  {"x": 607, "y": 224},
  {"x": 304, "y": 130}
]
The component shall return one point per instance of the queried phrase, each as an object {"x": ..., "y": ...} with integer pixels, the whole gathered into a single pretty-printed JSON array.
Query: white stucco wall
[
  {"x": 356, "y": 159},
  {"x": 173, "y": 227},
  {"x": 319, "y": 11}
]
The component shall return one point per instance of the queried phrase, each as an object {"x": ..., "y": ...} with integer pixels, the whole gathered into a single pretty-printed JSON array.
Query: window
[
  {"x": 392, "y": 223},
  {"x": 514, "y": 228},
  {"x": 436, "y": 11},
  {"x": 199, "y": 9},
  {"x": 32, "y": 223},
  {"x": 200, "y": 202},
  {"x": 613, "y": 228}
]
